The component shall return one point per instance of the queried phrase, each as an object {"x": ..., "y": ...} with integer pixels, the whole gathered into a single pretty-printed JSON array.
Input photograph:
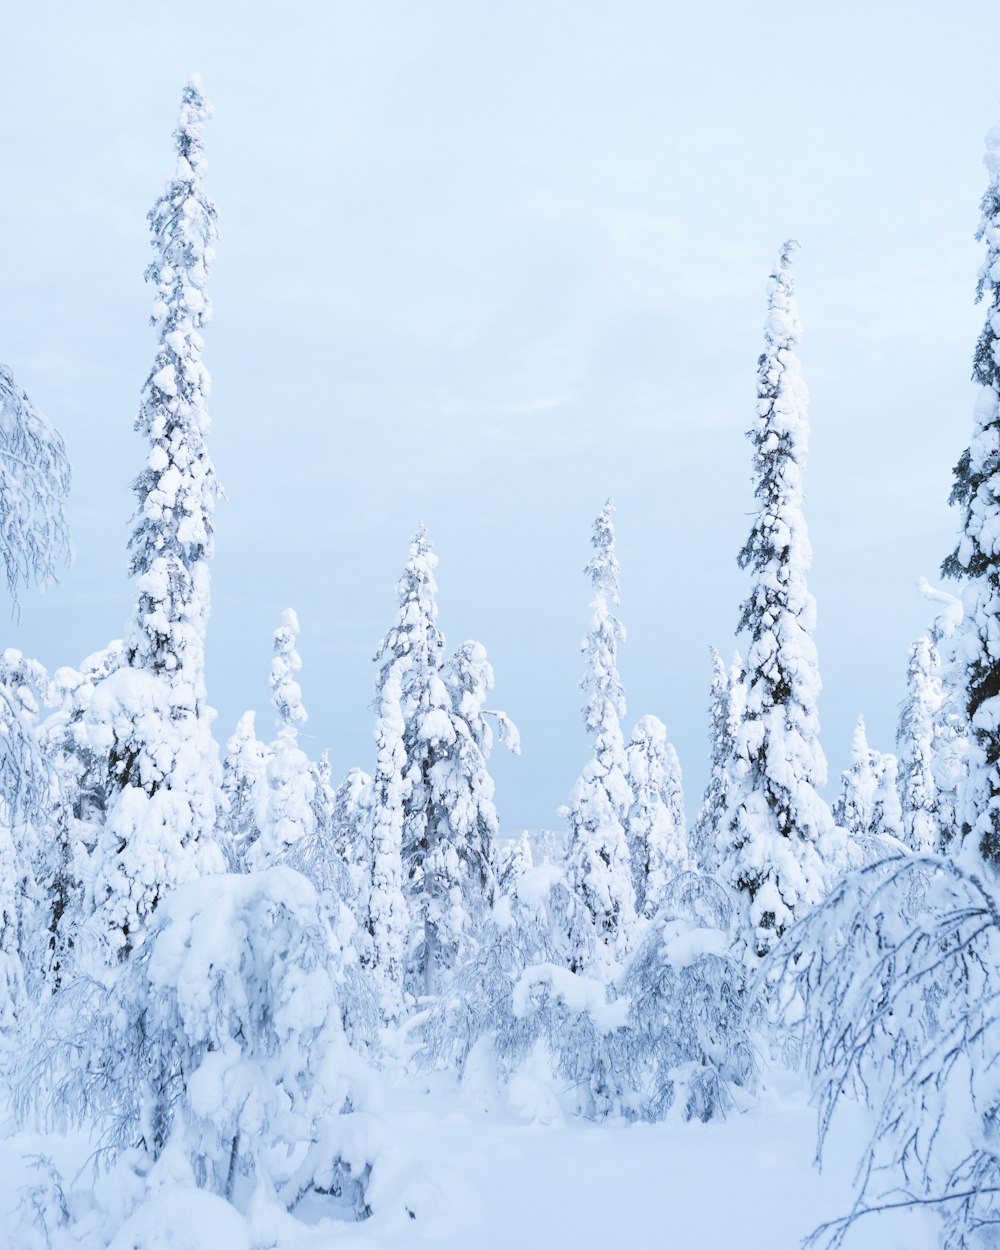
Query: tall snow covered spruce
[
  {"x": 724, "y": 707},
  {"x": 976, "y": 559},
  {"x": 598, "y": 866},
  {"x": 778, "y": 839},
  {"x": 151, "y": 716}
]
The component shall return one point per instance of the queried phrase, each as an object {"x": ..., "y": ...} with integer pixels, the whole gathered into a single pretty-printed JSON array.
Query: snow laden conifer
[
  {"x": 976, "y": 559},
  {"x": 459, "y": 875},
  {"x": 723, "y": 717},
  {"x": 779, "y": 836},
  {"x": 387, "y": 914},
  {"x": 951, "y": 728},
  {"x": 915, "y": 743},
  {"x": 291, "y": 785},
  {"x": 868, "y": 808},
  {"x": 657, "y": 835},
  {"x": 598, "y": 866},
  {"x": 151, "y": 715},
  {"x": 244, "y": 784},
  {"x": 410, "y": 655}
]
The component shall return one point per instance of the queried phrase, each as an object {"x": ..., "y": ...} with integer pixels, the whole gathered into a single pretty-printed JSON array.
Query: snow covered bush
[
  {"x": 690, "y": 1029},
  {"x": 217, "y": 1053},
  {"x": 672, "y": 1029}
]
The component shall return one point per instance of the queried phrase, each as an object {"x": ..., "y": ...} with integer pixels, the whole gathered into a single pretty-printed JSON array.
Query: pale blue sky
[{"x": 482, "y": 265}]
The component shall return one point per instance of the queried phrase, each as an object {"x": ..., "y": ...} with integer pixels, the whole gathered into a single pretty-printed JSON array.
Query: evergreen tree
[
  {"x": 657, "y": 836},
  {"x": 723, "y": 717},
  {"x": 459, "y": 875},
  {"x": 854, "y": 805},
  {"x": 26, "y": 793},
  {"x": 976, "y": 559},
  {"x": 950, "y": 752},
  {"x": 151, "y": 716},
  {"x": 779, "y": 830},
  {"x": 868, "y": 807},
  {"x": 915, "y": 742},
  {"x": 387, "y": 914},
  {"x": 291, "y": 786},
  {"x": 598, "y": 868},
  {"x": 244, "y": 784},
  {"x": 412, "y": 651},
  {"x": 328, "y": 852}
]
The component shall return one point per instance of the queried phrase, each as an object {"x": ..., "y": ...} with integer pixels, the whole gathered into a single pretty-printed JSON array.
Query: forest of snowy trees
[{"x": 213, "y": 953}]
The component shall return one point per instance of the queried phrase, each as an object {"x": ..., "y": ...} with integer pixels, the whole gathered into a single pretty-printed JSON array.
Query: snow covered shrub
[
  {"x": 688, "y": 1039},
  {"x": 671, "y": 1028},
  {"x": 219, "y": 1049},
  {"x": 892, "y": 982}
]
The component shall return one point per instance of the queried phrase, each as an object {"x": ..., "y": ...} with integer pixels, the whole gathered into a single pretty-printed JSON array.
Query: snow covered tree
[
  {"x": 513, "y": 860},
  {"x": 448, "y": 819},
  {"x": 34, "y": 541},
  {"x": 598, "y": 865},
  {"x": 388, "y": 916},
  {"x": 976, "y": 559},
  {"x": 34, "y": 483},
  {"x": 78, "y": 804},
  {"x": 411, "y": 653},
  {"x": 458, "y": 883},
  {"x": 216, "y": 1060},
  {"x": 244, "y": 783},
  {"x": 915, "y": 742},
  {"x": 724, "y": 707},
  {"x": 151, "y": 715},
  {"x": 657, "y": 834},
  {"x": 868, "y": 807},
  {"x": 781, "y": 838},
  {"x": 291, "y": 785},
  {"x": 951, "y": 730},
  {"x": 327, "y": 851},
  {"x": 26, "y": 794}
]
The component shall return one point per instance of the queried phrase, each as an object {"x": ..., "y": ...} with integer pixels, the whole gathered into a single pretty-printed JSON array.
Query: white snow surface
[{"x": 490, "y": 1180}]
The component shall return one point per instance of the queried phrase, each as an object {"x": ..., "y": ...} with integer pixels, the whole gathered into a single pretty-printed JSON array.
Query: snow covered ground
[{"x": 501, "y": 1180}]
